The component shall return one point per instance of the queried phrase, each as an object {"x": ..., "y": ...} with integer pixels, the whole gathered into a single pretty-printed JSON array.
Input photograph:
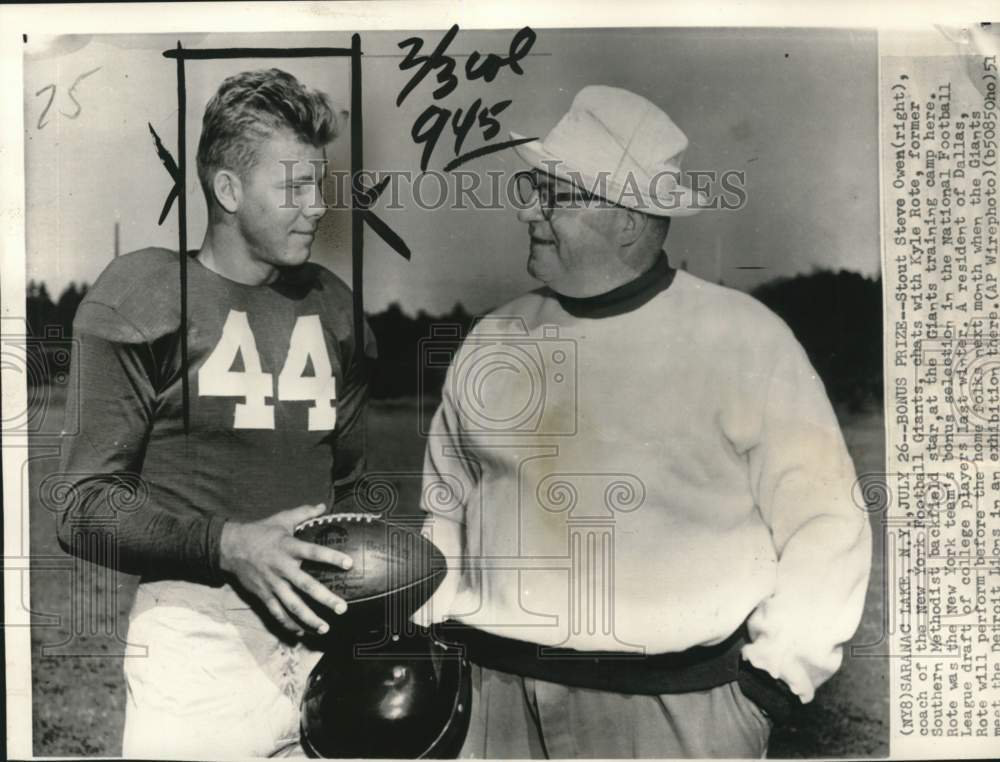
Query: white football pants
[{"x": 207, "y": 679}]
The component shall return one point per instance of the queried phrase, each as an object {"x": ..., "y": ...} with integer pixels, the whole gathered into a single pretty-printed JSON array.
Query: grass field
[{"x": 79, "y": 691}]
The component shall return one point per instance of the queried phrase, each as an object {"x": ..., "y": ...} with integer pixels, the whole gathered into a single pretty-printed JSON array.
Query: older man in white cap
[{"x": 637, "y": 477}]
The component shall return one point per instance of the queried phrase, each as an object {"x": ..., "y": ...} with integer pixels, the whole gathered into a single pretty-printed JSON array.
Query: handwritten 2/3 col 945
[{"x": 430, "y": 125}]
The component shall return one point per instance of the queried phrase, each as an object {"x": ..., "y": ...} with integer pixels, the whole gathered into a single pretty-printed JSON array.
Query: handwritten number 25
[{"x": 72, "y": 96}]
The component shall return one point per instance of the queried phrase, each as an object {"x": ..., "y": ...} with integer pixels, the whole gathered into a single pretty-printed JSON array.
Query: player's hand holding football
[{"x": 266, "y": 559}]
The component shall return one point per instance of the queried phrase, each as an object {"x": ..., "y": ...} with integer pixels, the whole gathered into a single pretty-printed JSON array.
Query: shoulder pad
[{"x": 138, "y": 294}]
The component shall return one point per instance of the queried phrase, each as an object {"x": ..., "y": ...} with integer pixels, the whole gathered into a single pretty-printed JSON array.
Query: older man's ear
[
  {"x": 641, "y": 232},
  {"x": 631, "y": 226}
]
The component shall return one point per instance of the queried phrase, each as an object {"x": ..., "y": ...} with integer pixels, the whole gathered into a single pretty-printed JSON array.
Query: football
[{"x": 395, "y": 571}]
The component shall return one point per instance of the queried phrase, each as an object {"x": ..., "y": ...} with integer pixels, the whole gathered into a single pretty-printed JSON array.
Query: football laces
[{"x": 339, "y": 518}]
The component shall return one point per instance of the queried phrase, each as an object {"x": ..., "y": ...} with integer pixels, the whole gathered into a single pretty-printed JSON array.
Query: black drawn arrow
[
  {"x": 172, "y": 170},
  {"x": 364, "y": 199}
]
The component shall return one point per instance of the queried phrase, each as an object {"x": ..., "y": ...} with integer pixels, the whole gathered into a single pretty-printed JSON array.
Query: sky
[{"x": 795, "y": 110}]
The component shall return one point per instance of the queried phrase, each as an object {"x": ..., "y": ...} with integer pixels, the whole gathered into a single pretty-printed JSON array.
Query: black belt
[{"x": 699, "y": 668}]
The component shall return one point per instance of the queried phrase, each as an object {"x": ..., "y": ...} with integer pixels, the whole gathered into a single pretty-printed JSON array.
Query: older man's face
[{"x": 574, "y": 249}]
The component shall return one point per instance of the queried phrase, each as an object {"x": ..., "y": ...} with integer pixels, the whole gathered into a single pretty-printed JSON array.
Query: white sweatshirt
[{"x": 647, "y": 481}]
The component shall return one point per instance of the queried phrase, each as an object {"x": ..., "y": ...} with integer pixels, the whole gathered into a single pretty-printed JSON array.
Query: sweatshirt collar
[{"x": 625, "y": 298}]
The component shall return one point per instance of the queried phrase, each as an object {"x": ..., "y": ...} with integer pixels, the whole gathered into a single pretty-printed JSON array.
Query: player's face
[
  {"x": 282, "y": 201},
  {"x": 573, "y": 249}
]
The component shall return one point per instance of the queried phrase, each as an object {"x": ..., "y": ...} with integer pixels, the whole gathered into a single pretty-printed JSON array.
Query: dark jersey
[{"x": 276, "y": 396}]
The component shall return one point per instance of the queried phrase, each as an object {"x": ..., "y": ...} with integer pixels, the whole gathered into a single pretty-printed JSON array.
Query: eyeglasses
[{"x": 529, "y": 184}]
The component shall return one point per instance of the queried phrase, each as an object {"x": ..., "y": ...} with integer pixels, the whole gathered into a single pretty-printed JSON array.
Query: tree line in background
[
  {"x": 53, "y": 320},
  {"x": 837, "y": 316}
]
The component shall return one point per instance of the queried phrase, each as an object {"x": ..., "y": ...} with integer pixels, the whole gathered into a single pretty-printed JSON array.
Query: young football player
[{"x": 216, "y": 415}]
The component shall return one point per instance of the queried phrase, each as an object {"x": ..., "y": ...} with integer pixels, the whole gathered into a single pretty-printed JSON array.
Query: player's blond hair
[{"x": 249, "y": 108}]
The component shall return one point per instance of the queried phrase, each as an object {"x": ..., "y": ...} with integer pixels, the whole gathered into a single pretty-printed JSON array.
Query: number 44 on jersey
[{"x": 216, "y": 379}]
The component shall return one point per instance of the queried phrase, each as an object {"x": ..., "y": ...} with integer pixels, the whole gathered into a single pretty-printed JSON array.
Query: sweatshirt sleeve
[
  {"x": 448, "y": 482},
  {"x": 802, "y": 479},
  {"x": 109, "y": 515}
]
